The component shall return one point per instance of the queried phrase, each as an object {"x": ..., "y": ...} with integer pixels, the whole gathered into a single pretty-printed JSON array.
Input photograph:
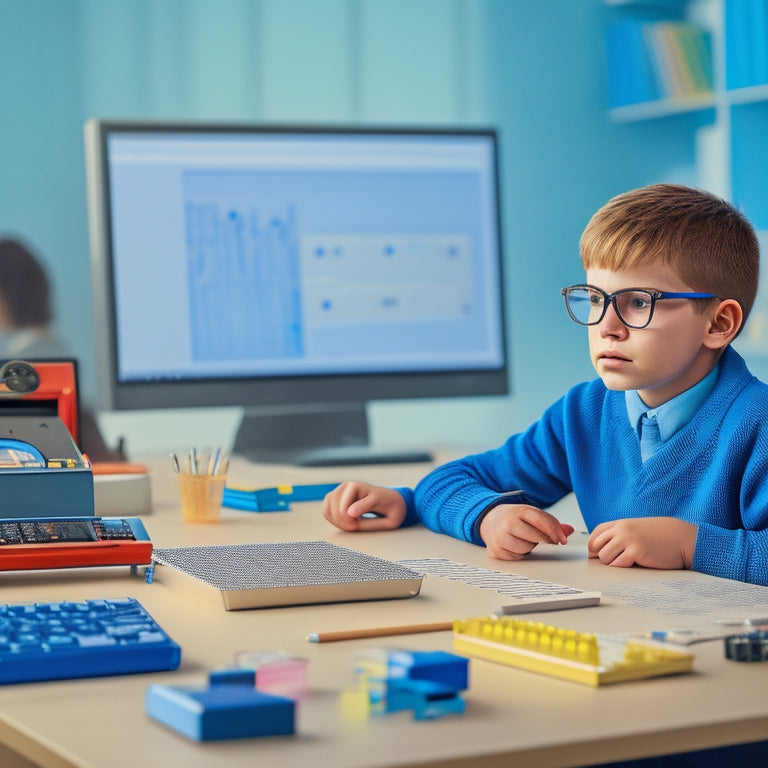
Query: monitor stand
[{"x": 315, "y": 436}]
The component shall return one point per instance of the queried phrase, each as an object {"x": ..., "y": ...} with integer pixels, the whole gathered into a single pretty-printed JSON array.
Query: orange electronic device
[
  {"x": 52, "y": 383},
  {"x": 47, "y": 515},
  {"x": 27, "y": 544}
]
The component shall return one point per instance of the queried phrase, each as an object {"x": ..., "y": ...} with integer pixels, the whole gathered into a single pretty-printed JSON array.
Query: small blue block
[
  {"x": 427, "y": 699},
  {"x": 437, "y": 666},
  {"x": 230, "y": 708}
]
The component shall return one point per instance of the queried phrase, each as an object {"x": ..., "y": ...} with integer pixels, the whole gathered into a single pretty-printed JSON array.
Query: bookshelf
[
  {"x": 729, "y": 117},
  {"x": 658, "y": 65}
]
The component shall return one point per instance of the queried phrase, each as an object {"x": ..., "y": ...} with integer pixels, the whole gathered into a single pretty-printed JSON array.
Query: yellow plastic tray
[{"x": 578, "y": 656}]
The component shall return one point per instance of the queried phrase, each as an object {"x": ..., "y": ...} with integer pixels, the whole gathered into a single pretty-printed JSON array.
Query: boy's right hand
[
  {"x": 346, "y": 504},
  {"x": 511, "y": 531}
]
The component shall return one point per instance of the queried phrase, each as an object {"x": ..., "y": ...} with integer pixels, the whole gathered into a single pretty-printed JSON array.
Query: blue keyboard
[{"x": 90, "y": 638}]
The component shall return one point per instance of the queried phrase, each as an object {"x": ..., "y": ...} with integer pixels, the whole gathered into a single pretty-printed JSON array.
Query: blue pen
[
  {"x": 684, "y": 636},
  {"x": 215, "y": 460}
]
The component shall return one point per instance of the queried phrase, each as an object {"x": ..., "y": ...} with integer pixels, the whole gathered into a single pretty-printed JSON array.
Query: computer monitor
[{"x": 300, "y": 272}]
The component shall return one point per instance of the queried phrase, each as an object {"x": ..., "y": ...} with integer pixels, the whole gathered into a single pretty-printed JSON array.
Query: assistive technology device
[
  {"x": 47, "y": 512},
  {"x": 31, "y": 543}
]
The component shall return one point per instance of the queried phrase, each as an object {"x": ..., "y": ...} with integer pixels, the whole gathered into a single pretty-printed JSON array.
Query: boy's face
[{"x": 661, "y": 360}]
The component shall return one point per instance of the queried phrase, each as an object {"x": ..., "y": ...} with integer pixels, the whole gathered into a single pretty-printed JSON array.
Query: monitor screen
[{"x": 298, "y": 272}]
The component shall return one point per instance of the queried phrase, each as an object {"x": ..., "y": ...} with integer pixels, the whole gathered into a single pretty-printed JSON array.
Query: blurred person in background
[{"x": 26, "y": 329}]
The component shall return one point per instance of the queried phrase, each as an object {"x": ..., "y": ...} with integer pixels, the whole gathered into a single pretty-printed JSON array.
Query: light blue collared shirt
[{"x": 675, "y": 413}]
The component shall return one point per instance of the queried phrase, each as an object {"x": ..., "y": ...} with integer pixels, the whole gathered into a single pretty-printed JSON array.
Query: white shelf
[
  {"x": 648, "y": 110},
  {"x": 750, "y": 95},
  {"x": 648, "y": 3}
]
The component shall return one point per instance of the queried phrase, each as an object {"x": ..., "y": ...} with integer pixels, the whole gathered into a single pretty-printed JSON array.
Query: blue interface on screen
[{"x": 242, "y": 255}]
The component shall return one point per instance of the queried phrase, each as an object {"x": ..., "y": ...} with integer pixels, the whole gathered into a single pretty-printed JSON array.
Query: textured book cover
[{"x": 290, "y": 573}]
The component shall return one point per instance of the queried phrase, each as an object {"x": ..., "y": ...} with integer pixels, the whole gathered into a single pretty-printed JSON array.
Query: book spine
[
  {"x": 759, "y": 41},
  {"x": 631, "y": 78},
  {"x": 737, "y": 44},
  {"x": 670, "y": 57},
  {"x": 660, "y": 61},
  {"x": 695, "y": 51}
]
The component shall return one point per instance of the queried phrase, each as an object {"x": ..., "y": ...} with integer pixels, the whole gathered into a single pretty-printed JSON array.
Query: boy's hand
[
  {"x": 652, "y": 542},
  {"x": 511, "y": 531},
  {"x": 345, "y": 505}
]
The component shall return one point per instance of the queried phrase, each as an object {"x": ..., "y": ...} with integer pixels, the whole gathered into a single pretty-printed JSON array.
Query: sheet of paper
[
  {"x": 527, "y": 594},
  {"x": 694, "y": 596}
]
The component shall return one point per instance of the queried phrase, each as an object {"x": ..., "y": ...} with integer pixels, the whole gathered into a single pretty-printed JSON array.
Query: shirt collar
[{"x": 675, "y": 413}]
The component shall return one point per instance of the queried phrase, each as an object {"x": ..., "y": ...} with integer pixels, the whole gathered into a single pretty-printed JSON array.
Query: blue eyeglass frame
[{"x": 610, "y": 298}]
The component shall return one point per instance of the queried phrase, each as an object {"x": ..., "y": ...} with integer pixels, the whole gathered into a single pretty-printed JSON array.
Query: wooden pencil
[{"x": 358, "y": 634}]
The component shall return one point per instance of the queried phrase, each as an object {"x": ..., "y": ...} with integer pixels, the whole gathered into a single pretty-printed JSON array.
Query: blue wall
[{"x": 533, "y": 68}]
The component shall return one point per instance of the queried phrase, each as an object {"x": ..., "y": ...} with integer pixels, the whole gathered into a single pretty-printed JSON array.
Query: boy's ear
[{"x": 725, "y": 324}]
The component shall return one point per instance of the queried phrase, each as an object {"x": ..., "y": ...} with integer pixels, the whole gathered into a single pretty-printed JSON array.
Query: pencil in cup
[{"x": 201, "y": 491}]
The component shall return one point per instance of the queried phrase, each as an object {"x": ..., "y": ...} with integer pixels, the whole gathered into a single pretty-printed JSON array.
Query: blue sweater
[{"x": 713, "y": 472}]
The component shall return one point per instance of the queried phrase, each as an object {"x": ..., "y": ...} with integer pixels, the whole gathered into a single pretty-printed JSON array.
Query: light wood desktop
[{"x": 512, "y": 717}]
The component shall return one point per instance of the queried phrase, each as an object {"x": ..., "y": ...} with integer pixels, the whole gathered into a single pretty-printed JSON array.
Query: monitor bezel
[{"x": 271, "y": 391}]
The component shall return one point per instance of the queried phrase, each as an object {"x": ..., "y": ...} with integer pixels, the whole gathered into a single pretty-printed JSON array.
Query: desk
[{"x": 512, "y": 717}]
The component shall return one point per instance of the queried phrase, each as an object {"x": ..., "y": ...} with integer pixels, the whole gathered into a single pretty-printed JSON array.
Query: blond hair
[{"x": 703, "y": 238}]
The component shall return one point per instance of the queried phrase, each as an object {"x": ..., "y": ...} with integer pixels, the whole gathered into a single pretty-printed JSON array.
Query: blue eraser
[
  {"x": 229, "y": 708},
  {"x": 437, "y": 666}
]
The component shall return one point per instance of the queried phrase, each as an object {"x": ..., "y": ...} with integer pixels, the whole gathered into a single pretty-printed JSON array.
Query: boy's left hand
[{"x": 652, "y": 542}]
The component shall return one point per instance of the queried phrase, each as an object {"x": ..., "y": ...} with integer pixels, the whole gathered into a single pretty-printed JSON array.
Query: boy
[{"x": 671, "y": 275}]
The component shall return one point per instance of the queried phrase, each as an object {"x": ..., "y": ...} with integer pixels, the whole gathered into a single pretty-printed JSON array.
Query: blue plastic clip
[{"x": 273, "y": 499}]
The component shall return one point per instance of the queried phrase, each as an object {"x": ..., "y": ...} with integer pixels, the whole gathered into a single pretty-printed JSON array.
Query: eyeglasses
[{"x": 587, "y": 304}]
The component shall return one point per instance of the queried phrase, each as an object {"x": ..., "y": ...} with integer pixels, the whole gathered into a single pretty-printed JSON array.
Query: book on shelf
[
  {"x": 657, "y": 60},
  {"x": 746, "y": 43},
  {"x": 760, "y": 41},
  {"x": 631, "y": 78}
]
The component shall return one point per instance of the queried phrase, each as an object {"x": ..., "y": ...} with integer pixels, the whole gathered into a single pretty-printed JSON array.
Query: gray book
[{"x": 290, "y": 573}]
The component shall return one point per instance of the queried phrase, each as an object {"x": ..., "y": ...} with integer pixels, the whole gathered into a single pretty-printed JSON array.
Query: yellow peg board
[{"x": 579, "y": 656}]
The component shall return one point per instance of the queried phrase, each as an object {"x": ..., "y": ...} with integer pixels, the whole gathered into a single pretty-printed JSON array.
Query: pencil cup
[{"x": 201, "y": 496}]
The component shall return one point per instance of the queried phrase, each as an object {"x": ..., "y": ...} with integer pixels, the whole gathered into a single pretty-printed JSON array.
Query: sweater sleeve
[
  {"x": 740, "y": 550},
  {"x": 411, "y": 518},
  {"x": 732, "y": 554},
  {"x": 453, "y": 497}
]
